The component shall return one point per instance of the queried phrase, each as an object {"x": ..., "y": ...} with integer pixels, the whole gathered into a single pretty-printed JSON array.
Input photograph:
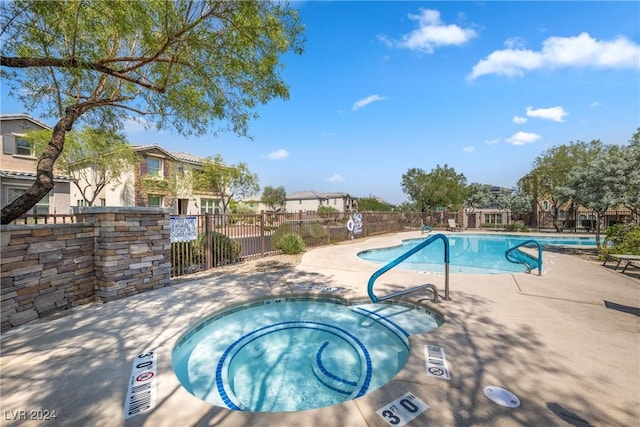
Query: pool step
[{"x": 325, "y": 367}]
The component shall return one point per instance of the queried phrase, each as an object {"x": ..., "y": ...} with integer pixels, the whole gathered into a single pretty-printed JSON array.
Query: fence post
[
  {"x": 364, "y": 227},
  {"x": 262, "y": 237},
  {"x": 207, "y": 241},
  {"x": 328, "y": 231}
]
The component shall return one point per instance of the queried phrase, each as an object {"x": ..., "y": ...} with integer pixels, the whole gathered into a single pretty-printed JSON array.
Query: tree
[
  {"x": 274, "y": 197},
  {"x": 518, "y": 202},
  {"x": 596, "y": 184},
  {"x": 93, "y": 158},
  {"x": 478, "y": 196},
  {"x": 408, "y": 207},
  {"x": 327, "y": 211},
  {"x": 549, "y": 177},
  {"x": 373, "y": 204},
  {"x": 631, "y": 160},
  {"x": 197, "y": 66},
  {"x": 440, "y": 188},
  {"x": 231, "y": 182}
]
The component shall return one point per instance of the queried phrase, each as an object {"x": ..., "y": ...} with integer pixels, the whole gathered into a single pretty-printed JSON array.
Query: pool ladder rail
[
  {"x": 404, "y": 256},
  {"x": 509, "y": 255}
]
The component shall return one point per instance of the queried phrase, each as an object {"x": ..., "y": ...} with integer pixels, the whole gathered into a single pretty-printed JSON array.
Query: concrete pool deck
[{"x": 567, "y": 344}]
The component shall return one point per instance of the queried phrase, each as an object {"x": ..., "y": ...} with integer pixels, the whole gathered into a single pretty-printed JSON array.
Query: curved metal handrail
[
  {"x": 509, "y": 251},
  {"x": 406, "y": 255}
]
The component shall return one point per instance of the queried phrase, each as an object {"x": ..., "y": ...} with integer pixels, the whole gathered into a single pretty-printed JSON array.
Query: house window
[
  {"x": 154, "y": 166},
  {"x": 209, "y": 206},
  {"x": 14, "y": 193},
  {"x": 81, "y": 202},
  {"x": 545, "y": 205},
  {"x": 103, "y": 202},
  {"x": 154, "y": 200},
  {"x": 493, "y": 218},
  {"x": 23, "y": 147},
  {"x": 41, "y": 208}
]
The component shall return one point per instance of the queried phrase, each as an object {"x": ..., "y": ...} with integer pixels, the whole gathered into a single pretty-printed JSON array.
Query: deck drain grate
[{"x": 501, "y": 396}]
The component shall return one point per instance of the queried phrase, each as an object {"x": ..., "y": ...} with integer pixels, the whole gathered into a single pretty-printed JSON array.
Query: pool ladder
[
  {"x": 509, "y": 256},
  {"x": 406, "y": 255}
]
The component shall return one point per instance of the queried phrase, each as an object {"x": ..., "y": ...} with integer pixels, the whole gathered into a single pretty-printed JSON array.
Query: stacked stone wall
[{"x": 110, "y": 253}]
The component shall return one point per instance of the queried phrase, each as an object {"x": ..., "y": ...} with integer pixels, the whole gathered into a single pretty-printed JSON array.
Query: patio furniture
[
  {"x": 628, "y": 259},
  {"x": 453, "y": 226}
]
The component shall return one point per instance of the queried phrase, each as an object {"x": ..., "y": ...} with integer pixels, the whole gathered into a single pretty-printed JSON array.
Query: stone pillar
[{"x": 132, "y": 251}]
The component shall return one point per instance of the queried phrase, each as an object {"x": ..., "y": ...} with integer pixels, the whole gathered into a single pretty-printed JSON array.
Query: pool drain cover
[{"x": 502, "y": 396}]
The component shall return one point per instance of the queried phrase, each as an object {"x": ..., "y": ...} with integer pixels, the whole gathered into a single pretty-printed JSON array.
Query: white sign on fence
[
  {"x": 402, "y": 410},
  {"x": 184, "y": 228}
]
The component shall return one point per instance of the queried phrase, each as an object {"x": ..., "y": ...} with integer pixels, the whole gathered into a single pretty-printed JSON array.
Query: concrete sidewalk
[{"x": 567, "y": 344}]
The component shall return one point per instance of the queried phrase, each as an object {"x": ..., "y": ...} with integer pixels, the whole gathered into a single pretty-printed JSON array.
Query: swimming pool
[
  {"x": 469, "y": 253},
  {"x": 291, "y": 354}
]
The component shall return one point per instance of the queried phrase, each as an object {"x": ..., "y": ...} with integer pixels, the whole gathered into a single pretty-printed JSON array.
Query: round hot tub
[{"x": 293, "y": 354}]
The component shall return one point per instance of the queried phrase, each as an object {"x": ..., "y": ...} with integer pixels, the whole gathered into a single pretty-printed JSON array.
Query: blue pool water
[
  {"x": 293, "y": 354},
  {"x": 469, "y": 253}
]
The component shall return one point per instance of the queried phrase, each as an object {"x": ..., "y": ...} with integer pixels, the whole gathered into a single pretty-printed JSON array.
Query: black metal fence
[
  {"x": 582, "y": 221},
  {"x": 45, "y": 219},
  {"x": 224, "y": 239}
]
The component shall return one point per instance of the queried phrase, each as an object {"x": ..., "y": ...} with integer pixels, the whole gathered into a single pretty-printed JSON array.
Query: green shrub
[
  {"x": 291, "y": 244},
  {"x": 327, "y": 211},
  {"x": 306, "y": 230},
  {"x": 314, "y": 230},
  {"x": 184, "y": 255},
  {"x": 224, "y": 250},
  {"x": 517, "y": 227},
  {"x": 491, "y": 225},
  {"x": 280, "y": 232},
  {"x": 621, "y": 239}
]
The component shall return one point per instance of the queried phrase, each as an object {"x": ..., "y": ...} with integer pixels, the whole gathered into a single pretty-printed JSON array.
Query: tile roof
[
  {"x": 188, "y": 157},
  {"x": 30, "y": 175},
  {"x": 314, "y": 195},
  {"x": 304, "y": 195},
  {"x": 24, "y": 116}
]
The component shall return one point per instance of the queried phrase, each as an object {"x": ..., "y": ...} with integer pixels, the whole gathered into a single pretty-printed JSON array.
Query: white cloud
[
  {"x": 366, "y": 101},
  {"x": 554, "y": 113},
  {"x": 336, "y": 178},
  {"x": 522, "y": 138},
  {"x": 595, "y": 104},
  {"x": 431, "y": 33},
  {"x": 519, "y": 120},
  {"x": 492, "y": 141},
  {"x": 514, "y": 43},
  {"x": 278, "y": 154},
  {"x": 469, "y": 149},
  {"x": 557, "y": 52}
]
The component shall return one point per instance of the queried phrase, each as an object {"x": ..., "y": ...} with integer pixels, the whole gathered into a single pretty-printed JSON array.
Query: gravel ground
[{"x": 256, "y": 265}]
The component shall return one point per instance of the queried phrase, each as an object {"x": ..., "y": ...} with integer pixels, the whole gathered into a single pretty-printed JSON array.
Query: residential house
[
  {"x": 163, "y": 179},
  {"x": 492, "y": 214},
  {"x": 18, "y": 166},
  {"x": 310, "y": 201},
  {"x": 255, "y": 203}
]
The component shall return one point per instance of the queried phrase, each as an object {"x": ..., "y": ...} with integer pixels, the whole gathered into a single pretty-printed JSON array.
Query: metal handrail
[
  {"x": 406, "y": 255},
  {"x": 508, "y": 252}
]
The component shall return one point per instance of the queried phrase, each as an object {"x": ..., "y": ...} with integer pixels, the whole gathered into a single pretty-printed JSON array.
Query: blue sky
[{"x": 483, "y": 87}]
